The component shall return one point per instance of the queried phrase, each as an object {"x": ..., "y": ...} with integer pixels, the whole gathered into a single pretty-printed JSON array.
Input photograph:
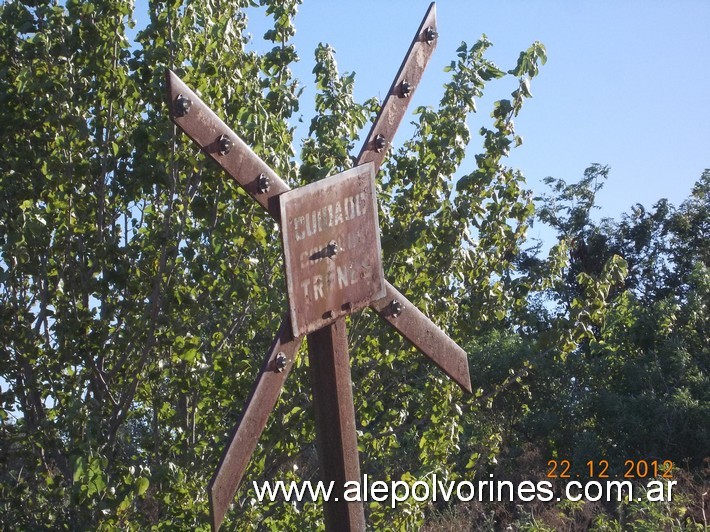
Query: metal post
[{"x": 335, "y": 424}]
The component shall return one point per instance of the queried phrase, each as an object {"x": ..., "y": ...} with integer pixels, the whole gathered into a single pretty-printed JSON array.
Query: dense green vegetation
[{"x": 137, "y": 288}]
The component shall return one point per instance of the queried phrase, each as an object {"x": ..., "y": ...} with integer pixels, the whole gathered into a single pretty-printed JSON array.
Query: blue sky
[{"x": 626, "y": 83}]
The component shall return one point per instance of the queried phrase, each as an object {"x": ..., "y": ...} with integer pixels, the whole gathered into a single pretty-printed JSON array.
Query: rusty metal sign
[
  {"x": 333, "y": 267},
  {"x": 331, "y": 241}
]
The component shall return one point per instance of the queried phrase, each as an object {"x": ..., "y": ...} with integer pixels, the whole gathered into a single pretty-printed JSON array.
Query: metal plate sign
[{"x": 331, "y": 240}]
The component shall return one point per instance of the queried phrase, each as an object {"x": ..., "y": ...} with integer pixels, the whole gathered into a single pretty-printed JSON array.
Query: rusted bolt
[
  {"x": 405, "y": 89},
  {"x": 281, "y": 361},
  {"x": 396, "y": 307},
  {"x": 264, "y": 184},
  {"x": 182, "y": 105},
  {"x": 380, "y": 143},
  {"x": 332, "y": 248},
  {"x": 225, "y": 145},
  {"x": 430, "y": 34}
]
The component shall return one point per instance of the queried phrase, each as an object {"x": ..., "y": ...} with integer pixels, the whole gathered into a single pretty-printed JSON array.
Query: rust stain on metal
[{"x": 331, "y": 242}]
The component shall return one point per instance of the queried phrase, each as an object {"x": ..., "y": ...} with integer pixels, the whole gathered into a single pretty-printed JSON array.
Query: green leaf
[
  {"x": 79, "y": 464},
  {"x": 141, "y": 485},
  {"x": 189, "y": 355}
]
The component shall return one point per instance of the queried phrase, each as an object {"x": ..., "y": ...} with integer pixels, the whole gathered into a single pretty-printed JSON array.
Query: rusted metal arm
[
  {"x": 400, "y": 94},
  {"x": 240, "y": 162},
  {"x": 411, "y": 323},
  {"x": 260, "y": 403},
  {"x": 218, "y": 141}
]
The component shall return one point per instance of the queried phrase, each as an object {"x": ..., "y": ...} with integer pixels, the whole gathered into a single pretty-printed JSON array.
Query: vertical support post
[{"x": 335, "y": 424}]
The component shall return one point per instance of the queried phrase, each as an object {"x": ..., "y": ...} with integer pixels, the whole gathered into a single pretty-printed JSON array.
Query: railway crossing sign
[{"x": 331, "y": 243}]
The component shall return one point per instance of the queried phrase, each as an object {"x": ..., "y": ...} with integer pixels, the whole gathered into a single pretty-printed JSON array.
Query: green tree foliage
[
  {"x": 642, "y": 376},
  {"x": 129, "y": 264},
  {"x": 628, "y": 362},
  {"x": 140, "y": 288},
  {"x": 633, "y": 298}
]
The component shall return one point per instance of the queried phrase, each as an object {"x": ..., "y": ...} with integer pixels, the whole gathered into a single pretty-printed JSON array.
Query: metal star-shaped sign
[{"x": 333, "y": 261}]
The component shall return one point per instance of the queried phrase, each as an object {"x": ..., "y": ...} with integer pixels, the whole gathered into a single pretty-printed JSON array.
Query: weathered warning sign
[
  {"x": 333, "y": 267},
  {"x": 331, "y": 241}
]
